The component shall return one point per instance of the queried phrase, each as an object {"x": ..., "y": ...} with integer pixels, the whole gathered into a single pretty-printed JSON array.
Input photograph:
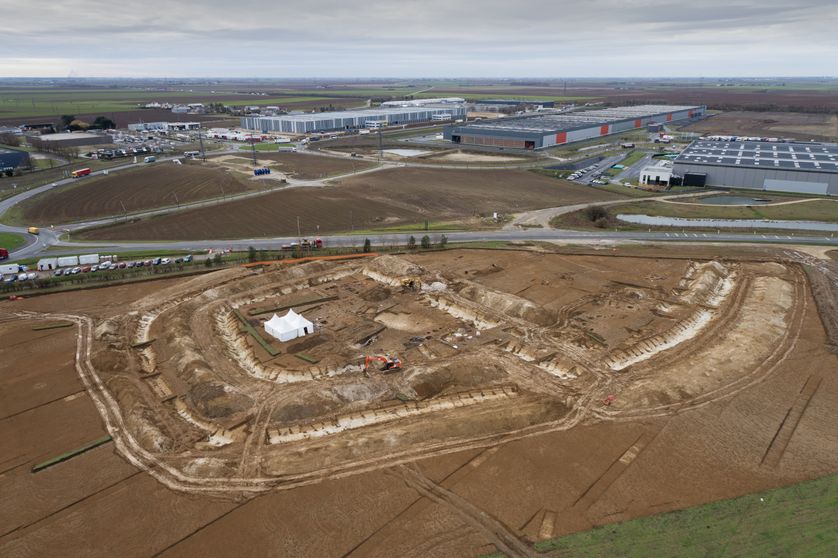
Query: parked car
[
  {"x": 31, "y": 276},
  {"x": 131, "y": 264},
  {"x": 10, "y": 279},
  {"x": 121, "y": 265},
  {"x": 165, "y": 261},
  {"x": 187, "y": 259},
  {"x": 75, "y": 271},
  {"x": 58, "y": 272},
  {"x": 22, "y": 277},
  {"x": 85, "y": 269},
  {"x": 147, "y": 263},
  {"x": 155, "y": 261}
]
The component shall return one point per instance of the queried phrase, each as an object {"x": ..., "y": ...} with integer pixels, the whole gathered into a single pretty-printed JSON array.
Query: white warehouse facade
[{"x": 351, "y": 119}]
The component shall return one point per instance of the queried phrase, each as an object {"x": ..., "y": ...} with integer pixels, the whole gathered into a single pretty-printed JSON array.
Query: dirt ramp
[{"x": 508, "y": 304}]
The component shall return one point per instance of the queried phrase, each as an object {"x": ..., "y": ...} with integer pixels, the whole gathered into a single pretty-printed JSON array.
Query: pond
[
  {"x": 732, "y": 200},
  {"x": 656, "y": 221}
]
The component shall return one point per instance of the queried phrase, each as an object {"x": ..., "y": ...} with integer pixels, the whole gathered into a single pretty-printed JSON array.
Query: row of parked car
[
  {"x": 107, "y": 266},
  {"x": 27, "y": 275}
]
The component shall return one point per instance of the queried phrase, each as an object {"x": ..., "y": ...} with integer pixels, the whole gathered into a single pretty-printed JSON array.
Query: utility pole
[
  {"x": 380, "y": 148},
  {"x": 201, "y": 141},
  {"x": 299, "y": 234}
]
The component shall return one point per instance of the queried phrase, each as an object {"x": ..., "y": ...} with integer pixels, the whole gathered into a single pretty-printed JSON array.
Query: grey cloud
[{"x": 428, "y": 37}]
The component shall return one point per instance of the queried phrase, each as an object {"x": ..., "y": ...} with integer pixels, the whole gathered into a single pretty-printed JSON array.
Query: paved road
[
  {"x": 49, "y": 239},
  {"x": 478, "y": 236}
]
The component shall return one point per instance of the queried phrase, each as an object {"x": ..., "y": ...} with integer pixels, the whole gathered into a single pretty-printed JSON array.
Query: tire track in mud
[
  {"x": 503, "y": 538},
  {"x": 421, "y": 504},
  {"x": 777, "y": 448}
]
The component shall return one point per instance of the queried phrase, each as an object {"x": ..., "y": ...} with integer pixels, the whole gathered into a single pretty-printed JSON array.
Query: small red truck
[{"x": 4, "y": 254}]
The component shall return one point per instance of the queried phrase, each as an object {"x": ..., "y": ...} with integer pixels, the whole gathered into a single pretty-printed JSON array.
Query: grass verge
[
  {"x": 11, "y": 241},
  {"x": 797, "y": 520}
]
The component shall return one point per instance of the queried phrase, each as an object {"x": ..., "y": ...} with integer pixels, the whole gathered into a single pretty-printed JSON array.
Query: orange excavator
[{"x": 391, "y": 364}]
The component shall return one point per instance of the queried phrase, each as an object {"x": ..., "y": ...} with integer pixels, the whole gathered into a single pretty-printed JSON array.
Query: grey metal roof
[
  {"x": 548, "y": 123},
  {"x": 792, "y": 156}
]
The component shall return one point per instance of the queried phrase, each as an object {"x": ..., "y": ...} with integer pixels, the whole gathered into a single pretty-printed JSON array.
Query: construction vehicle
[
  {"x": 391, "y": 364},
  {"x": 411, "y": 283}
]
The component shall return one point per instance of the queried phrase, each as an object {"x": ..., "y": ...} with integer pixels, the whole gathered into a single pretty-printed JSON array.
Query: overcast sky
[{"x": 418, "y": 38}]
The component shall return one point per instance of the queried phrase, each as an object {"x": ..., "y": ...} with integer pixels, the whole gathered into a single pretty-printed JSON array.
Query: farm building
[
  {"x": 548, "y": 130},
  {"x": 804, "y": 167},
  {"x": 12, "y": 158},
  {"x": 351, "y": 119}
]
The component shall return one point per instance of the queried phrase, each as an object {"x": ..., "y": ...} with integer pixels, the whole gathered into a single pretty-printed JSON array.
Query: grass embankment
[
  {"x": 266, "y": 147},
  {"x": 796, "y": 520},
  {"x": 629, "y": 160},
  {"x": 814, "y": 210},
  {"x": 11, "y": 241}
]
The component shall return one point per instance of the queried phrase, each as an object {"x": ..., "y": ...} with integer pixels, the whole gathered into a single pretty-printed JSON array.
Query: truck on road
[
  {"x": 4, "y": 254},
  {"x": 33, "y": 230},
  {"x": 150, "y": 159},
  {"x": 80, "y": 172}
]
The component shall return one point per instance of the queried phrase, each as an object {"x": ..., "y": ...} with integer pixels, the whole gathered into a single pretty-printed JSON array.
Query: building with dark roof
[
  {"x": 12, "y": 158},
  {"x": 548, "y": 130},
  {"x": 801, "y": 167}
]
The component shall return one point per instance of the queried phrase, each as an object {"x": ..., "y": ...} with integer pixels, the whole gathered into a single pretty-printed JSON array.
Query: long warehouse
[
  {"x": 548, "y": 130},
  {"x": 352, "y": 119},
  {"x": 801, "y": 167}
]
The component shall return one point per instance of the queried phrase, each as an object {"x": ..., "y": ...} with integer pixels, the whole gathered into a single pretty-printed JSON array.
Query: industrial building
[
  {"x": 12, "y": 159},
  {"x": 75, "y": 139},
  {"x": 502, "y": 104},
  {"x": 547, "y": 130},
  {"x": 800, "y": 167},
  {"x": 352, "y": 119},
  {"x": 424, "y": 102}
]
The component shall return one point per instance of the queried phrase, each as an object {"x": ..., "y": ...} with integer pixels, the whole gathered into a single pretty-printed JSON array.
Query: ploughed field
[
  {"x": 161, "y": 185},
  {"x": 308, "y": 167},
  {"x": 390, "y": 197},
  {"x": 493, "y": 435},
  {"x": 796, "y": 125}
]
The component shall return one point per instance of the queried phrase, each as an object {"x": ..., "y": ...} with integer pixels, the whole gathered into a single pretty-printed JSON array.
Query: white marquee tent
[{"x": 288, "y": 327}]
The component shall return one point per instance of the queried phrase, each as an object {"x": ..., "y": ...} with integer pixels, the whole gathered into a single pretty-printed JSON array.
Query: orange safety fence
[{"x": 312, "y": 259}]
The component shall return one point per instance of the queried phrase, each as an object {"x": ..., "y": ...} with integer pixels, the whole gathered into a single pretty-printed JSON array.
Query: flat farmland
[
  {"x": 308, "y": 167},
  {"x": 772, "y": 124},
  {"x": 387, "y": 198},
  {"x": 161, "y": 185}
]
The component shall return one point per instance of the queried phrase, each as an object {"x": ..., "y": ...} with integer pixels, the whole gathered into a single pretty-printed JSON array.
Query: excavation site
[{"x": 409, "y": 356}]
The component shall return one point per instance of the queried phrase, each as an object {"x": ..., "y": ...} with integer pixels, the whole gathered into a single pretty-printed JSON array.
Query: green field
[
  {"x": 28, "y": 103},
  {"x": 11, "y": 241},
  {"x": 798, "y": 520},
  {"x": 266, "y": 146},
  {"x": 814, "y": 210}
]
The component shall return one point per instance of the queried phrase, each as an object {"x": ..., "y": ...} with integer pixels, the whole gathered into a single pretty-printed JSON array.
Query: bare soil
[
  {"x": 743, "y": 403},
  {"x": 160, "y": 185},
  {"x": 390, "y": 197},
  {"x": 306, "y": 167},
  {"x": 770, "y": 124}
]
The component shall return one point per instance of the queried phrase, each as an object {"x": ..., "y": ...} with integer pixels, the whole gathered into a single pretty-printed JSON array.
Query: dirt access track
[
  {"x": 160, "y": 185},
  {"x": 389, "y": 197},
  {"x": 493, "y": 435}
]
